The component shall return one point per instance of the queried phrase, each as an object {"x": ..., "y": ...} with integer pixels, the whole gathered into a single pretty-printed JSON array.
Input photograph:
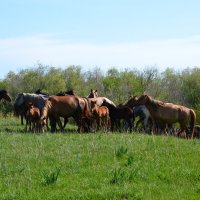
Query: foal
[
  {"x": 101, "y": 116},
  {"x": 33, "y": 118}
]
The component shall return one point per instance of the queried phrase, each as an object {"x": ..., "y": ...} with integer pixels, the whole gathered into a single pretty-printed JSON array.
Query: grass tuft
[
  {"x": 121, "y": 151},
  {"x": 50, "y": 178}
]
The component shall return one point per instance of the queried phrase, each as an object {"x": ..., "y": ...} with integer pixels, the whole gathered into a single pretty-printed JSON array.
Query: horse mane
[
  {"x": 3, "y": 92},
  {"x": 155, "y": 103},
  {"x": 109, "y": 105}
]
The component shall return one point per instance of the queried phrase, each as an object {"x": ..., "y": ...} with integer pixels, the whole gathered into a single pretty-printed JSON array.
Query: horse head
[
  {"x": 93, "y": 94},
  {"x": 142, "y": 100},
  {"x": 93, "y": 105},
  {"x": 70, "y": 92},
  {"x": 4, "y": 95}
]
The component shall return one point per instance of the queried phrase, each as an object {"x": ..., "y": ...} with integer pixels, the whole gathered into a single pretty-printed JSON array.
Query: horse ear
[
  {"x": 91, "y": 90},
  {"x": 95, "y": 90}
]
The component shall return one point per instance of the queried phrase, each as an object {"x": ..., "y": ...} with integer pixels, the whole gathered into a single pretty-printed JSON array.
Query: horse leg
[
  {"x": 22, "y": 116},
  {"x": 59, "y": 123},
  {"x": 52, "y": 124},
  {"x": 129, "y": 125},
  {"x": 112, "y": 125},
  {"x": 65, "y": 122}
]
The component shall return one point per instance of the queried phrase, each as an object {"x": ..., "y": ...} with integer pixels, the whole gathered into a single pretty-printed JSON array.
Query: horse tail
[
  {"x": 45, "y": 110},
  {"x": 192, "y": 122},
  {"x": 86, "y": 108}
]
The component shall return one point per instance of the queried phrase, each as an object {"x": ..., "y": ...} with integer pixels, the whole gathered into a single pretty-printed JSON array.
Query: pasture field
[{"x": 96, "y": 166}]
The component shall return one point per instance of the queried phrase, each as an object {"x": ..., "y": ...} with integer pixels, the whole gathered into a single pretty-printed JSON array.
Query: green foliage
[{"x": 169, "y": 86}]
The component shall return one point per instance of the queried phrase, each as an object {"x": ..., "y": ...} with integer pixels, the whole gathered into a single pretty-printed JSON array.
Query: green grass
[{"x": 96, "y": 166}]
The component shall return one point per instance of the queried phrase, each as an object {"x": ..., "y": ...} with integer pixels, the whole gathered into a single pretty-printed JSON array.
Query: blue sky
[{"x": 104, "y": 33}]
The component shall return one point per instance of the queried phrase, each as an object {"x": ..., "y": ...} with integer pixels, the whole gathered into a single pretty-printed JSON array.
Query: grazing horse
[
  {"x": 139, "y": 111},
  {"x": 93, "y": 94},
  {"x": 118, "y": 113},
  {"x": 169, "y": 113},
  {"x": 65, "y": 106},
  {"x": 4, "y": 95},
  {"x": 101, "y": 116},
  {"x": 23, "y": 99},
  {"x": 197, "y": 131}
]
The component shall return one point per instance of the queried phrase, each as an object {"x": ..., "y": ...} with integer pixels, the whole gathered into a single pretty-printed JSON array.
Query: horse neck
[
  {"x": 152, "y": 104},
  {"x": 130, "y": 104},
  {"x": 112, "y": 107}
]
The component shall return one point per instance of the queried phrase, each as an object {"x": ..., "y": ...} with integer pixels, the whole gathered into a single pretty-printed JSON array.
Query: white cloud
[{"x": 23, "y": 52}]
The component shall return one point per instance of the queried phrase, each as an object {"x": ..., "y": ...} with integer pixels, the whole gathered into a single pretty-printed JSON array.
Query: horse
[
  {"x": 4, "y": 95},
  {"x": 139, "y": 111},
  {"x": 33, "y": 117},
  {"x": 144, "y": 116},
  {"x": 23, "y": 99},
  {"x": 197, "y": 131},
  {"x": 93, "y": 94},
  {"x": 169, "y": 113},
  {"x": 65, "y": 106},
  {"x": 100, "y": 115},
  {"x": 118, "y": 113}
]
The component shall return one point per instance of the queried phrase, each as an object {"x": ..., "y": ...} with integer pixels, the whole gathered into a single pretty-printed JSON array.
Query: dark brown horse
[
  {"x": 66, "y": 106},
  {"x": 139, "y": 111},
  {"x": 4, "y": 95},
  {"x": 118, "y": 113},
  {"x": 170, "y": 113}
]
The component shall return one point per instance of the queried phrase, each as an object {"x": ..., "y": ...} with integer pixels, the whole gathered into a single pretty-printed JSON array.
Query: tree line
[{"x": 179, "y": 87}]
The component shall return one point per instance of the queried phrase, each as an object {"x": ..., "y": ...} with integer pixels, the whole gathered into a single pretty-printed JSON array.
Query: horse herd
[{"x": 93, "y": 113}]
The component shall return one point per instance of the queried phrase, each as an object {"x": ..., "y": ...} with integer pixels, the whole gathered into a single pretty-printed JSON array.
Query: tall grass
[{"x": 96, "y": 166}]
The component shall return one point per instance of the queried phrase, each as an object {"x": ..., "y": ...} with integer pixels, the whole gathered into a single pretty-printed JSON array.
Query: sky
[{"x": 99, "y": 33}]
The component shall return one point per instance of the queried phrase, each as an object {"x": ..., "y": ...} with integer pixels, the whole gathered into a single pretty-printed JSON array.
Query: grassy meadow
[{"x": 96, "y": 166}]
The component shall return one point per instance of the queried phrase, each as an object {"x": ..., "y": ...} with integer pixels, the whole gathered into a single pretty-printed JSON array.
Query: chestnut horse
[
  {"x": 101, "y": 116},
  {"x": 170, "y": 113},
  {"x": 65, "y": 106},
  {"x": 33, "y": 117}
]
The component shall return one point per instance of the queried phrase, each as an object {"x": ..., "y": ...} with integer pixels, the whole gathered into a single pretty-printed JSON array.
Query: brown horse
[
  {"x": 33, "y": 117},
  {"x": 65, "y": 106},
  {"x": 101, "y": 116},
  {"x": 4, "y": 95},
  {"x": 169, "y": 113}
]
